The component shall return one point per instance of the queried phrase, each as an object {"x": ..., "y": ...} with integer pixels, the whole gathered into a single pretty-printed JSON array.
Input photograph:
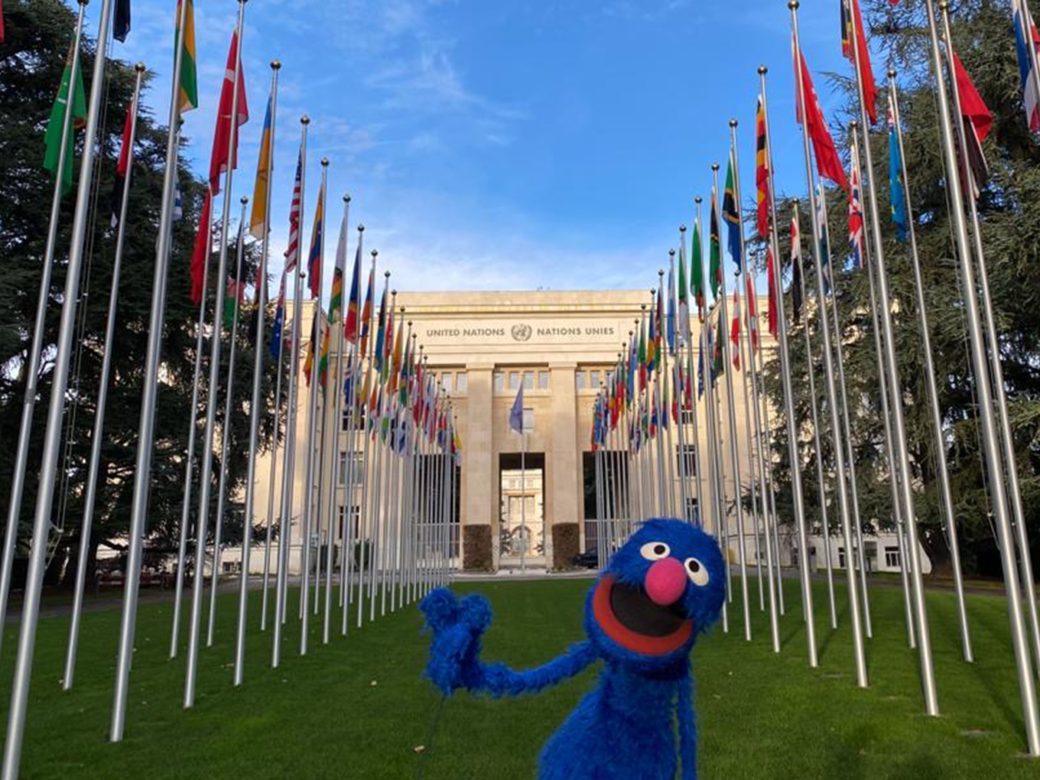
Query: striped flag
[
  {"x": 121, "y": 20},
  {"x": 1026, "y": 30},
  {"x": 773, "y": 311},
  {"x": 850, "y": 13},
  {"x": 684, "y": 295},
  {"x": 350, "y": 327},
  {"x": 317, "y": 242},
  {"x": 731, "y": 213},
  {"x": 697, "y": 269},
  {"x": 752, "y": 311},
  {"x": 258, "y": 217},
  {"x": 188, "y": 86},
  {"x": 379, "y": 350},
  {"x": 761, "y": 172},
  {"x": 714, "y": 246},
  {"x": 670, "y": 316},
  {"x": 292, "y": 254},
  {"x": 796, "y": 267},
  {"x": 855, "y": 212},
  {"x": 366, "y": 313},
  {"x": 70, "y": 83},
  {"x": 734, "y": 330},
  {"x": 223, "y": 154}
]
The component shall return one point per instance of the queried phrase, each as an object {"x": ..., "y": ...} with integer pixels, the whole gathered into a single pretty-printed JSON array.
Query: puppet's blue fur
[{"x": 625, "y": 727}]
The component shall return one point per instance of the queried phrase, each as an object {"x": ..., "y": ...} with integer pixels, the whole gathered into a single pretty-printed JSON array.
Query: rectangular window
[
  {"x": 446, "y": 381},
  {"x": 514, "y": 380},
  {"x": 358, "y": 473},
  {"x": 351, "y": 416},
  {"x": 528, "y": 420},
  {"x": 687, "y": 416},
  {"x": 693, "y": 510},
  {"x": 595, "y": 378},
  {"x": 355, "y": 513},
  {"x": 687, "y": 454},
  {"x": 460, "y": 382},
  {"x": 500, "y": 382},
  {"x": 579, "y": 380},
  {"x": 543, "y": 380},
  {"x": 892, "y": 557},
  {"x": 529, "y": 380},
  {"x": 841, "y": 557}
]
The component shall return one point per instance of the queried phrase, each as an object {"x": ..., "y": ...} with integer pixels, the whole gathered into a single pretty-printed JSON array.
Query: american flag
[
  {"x": 855, "y": 212},
  {"x": 292, "y": 254}
]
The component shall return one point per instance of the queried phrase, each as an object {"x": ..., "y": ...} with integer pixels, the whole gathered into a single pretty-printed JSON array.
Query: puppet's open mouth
[{"x": 628, "y": 616}]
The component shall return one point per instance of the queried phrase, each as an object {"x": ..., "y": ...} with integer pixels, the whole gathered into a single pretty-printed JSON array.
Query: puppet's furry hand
[{"x": 457, "y": 625}]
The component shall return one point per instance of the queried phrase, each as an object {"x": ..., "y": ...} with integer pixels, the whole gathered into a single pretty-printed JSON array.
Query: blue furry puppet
[{"x": 658, "y": 592}]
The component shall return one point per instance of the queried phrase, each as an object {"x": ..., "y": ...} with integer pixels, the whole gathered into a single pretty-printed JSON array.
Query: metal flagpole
[
  {"x": 363, "y": 513},
  {"x": 289, "y": 458},
  {"x": 393, "y": 494},
  {"x": 991, "y": 449},
  {"x": 205, "y": 476},
  {"x": 523, "y": 488},
  {"x": 276, "y": 415},
  {"x": 255, "y": 404},
  {"x": 312, "y": 413},
  {"x": 929, "y": 364},
  {"x": 859, "y": 652},
  {"x": 32, "y": 371},
  {"x": 733, "y": 452},
  {"x": 899, "y": 441},
  {"x": 99, "y": 413},
  {"x": 682, "y": 337},
  {"x": 349, "y": 491},
  {"x": 225, "y": 432},
  {"x": 55, "y": 412},
  {"x": 753, "y": 482},
  {"x": 379, "y": 450},
  {"x": 830, "y": 319},
  {"x": 319, "y": 510},
  {"x": 792, "y": 423},
  {"x": 692, "y": 378},
  {"x": 989, "y": 328},
  {"x": 716, "y": 483},
  {"x": 400, "y": 483}
]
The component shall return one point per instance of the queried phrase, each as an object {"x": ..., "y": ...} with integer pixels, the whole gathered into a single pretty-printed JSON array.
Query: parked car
[{"x": 586, "y": 560}]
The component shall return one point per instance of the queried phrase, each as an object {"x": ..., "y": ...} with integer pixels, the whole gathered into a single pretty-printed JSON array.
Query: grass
[{"x": 357, "y": 708}]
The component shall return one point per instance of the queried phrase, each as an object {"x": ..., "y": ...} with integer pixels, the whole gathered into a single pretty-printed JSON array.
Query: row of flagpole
[
  {"x": 627, "y": 413},
  {"x": 404, "y": 525}
]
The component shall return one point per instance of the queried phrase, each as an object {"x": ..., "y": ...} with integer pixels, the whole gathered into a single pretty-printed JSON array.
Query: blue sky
[{"x": 502, "y": 145}]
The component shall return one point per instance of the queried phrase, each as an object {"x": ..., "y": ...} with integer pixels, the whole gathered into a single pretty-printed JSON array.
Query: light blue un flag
[{"x": 516, "y": 414}]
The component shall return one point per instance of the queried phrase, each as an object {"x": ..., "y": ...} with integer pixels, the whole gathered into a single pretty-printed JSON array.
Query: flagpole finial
[
  {"x": 698, "y": 200},
  {"x": 715, "y": 167},
  {"x": 375, "y": 253},
  {"x": 891, "y": 73},
  {"x": 793, "y": 5},
  {"x": 305, "y": 120},
  {"x": 346, "y": 198},
  {"x": 243, "y": 200},
  {"x": 733, "y": 123},
  {"x": 394, "y": 293},
  {"x": 276, "y": 64},
  {"x": 360, "y": 228},
  {"x": 943, "y": 5},
  {"x": 762, "y": 70},
  {"x": 386, "y": 274},
  {"x": 682, "y": 228},
  {"x": 324, "y": 162},
  {"x": 854, "y": 125},
  {"x": 84, "y": 2},
  {"x": 139, "y": 67},
  {"x": 671, "y": 253}
]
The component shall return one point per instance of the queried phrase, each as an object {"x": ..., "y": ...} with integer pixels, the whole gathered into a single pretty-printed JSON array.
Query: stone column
[
  {"x": 478, "y": 473},
  {"x": 564, "y": 469}
]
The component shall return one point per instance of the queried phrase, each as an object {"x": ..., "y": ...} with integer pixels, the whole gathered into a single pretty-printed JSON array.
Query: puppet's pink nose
[{"x": 665, "y": 582}]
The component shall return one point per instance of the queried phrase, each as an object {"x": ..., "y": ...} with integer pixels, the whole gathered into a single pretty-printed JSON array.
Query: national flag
[
  {"x": 314, "y": 259},
  {"x": 772, "y": 312},
  {"x": 235, "y": 285},
  {"x": 292, "y": 254},
  {"x": 718, "y": 364},
  {"x": 633, "y": 368},
  {"x": 642, "y": 356},
  {"x": 796, "y": 267},
  {"x": 683, "y": 295},
  {"x": 379, "y": 351},
  {"x": 697, "y": 270},
  {"x": 752, "y": 311},
  {"x": 122, "y": 163},
  {"x": 394, "y": 381},
  {"x": 203, "y": 247},
  {"x": 366, "y": 313},
  {"x": 350, "y": 327},
  {"x": 897, "y": 187},
  {"x": 714, "y": 247},
  {"x": 278, "y": 323},
  {"x": 312, "y": 346},
  {"x": 850, "y": 14},
  {"x": 828, "y": 163},
  {"x": 762, "y": 173},
  {"x": 56, "y": 123},
  {"x": 734, "y": 329},
  {"x": 188, "y": 86},
  {"x": 261, "y": 189},
  {"x": 121, "y": 20},
  {"x": 855, "y": 212},
  {"x": 1026, "y": 30},
  {"x": 977, "y": 120},
  {"x": 670, "y": 323},
  {"x": 823, "y": 245},
  {"x": 223, "y": 155},
  {"x": 178, "y": 203},
  {"x": 323, "y": 357},
  {"x": 731, "y": 213},
  {"x": 653, "y": 338}
]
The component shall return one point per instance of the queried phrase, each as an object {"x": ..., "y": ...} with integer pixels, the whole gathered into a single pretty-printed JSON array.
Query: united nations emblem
[{"x": 521, "y": 332}]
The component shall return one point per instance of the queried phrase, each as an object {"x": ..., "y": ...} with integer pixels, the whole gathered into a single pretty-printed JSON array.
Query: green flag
[
  {"x": 52, "y": 139},
  {"x": 697, "y": 270},
  {"x": 715, "y": 248}
]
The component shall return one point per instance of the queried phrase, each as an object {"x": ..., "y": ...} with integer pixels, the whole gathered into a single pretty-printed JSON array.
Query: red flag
[
  {"x": 218, "y": 161},
  {"x": 762, "y": 171},
  {"x": 849, "y": 12},
  {"x": 122, "y": 164},
  {"x": 772, "y": 312},
  {"x": 293, "y": 252},
  {"x": 752, "y": 311},
  {"x": 972, "y": 105},
  {"x": 828, "y": 163},
  {"x": 200, "y": 255},
  {"x": 734, "y": 331}
]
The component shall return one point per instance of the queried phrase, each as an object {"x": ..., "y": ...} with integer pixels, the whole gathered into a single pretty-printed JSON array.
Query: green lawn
[{"x": 358, "y": 708}]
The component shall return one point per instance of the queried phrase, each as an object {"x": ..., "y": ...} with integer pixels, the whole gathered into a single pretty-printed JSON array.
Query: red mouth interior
[{"x": 630, "y": 639}]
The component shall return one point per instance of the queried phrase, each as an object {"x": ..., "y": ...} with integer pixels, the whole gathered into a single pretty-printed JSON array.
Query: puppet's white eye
[
  {"x": 696, "y": 571},
  {"x": 654, "y": 551}
]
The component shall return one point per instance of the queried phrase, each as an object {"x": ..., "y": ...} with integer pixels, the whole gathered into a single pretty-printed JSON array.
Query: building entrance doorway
[{"x": 521, "y": 527}]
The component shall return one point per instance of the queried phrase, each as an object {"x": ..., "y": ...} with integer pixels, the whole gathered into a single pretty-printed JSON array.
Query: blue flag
[
  {"x": 516, "y": 414},
  {"x": 731, "y": 214},
  {"x": 895, "y": 178}
]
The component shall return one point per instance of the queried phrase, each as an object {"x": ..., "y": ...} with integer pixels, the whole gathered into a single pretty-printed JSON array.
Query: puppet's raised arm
[{"x": 457, "y": 627}]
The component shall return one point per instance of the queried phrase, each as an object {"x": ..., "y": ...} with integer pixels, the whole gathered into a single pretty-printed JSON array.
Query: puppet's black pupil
[
  {"x": 694, "y": 566},
  {"x": 659, "y": 549}
]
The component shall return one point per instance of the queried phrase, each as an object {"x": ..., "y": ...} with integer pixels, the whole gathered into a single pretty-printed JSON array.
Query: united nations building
[{"x": 518, "y": 500}]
